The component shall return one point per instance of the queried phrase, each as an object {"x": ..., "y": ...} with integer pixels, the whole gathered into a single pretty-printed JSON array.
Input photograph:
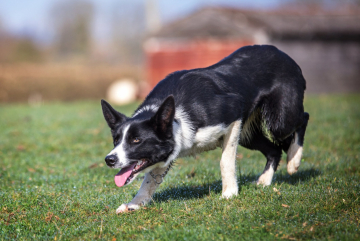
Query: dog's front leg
[
  {"x": 145, "y": 192},
  {"x": 228, "y": 158}
]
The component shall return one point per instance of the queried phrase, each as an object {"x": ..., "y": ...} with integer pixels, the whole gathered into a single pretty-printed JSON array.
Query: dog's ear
[
  {"x": 111, "y": 116},
  {"x": 164, "y": 117}
]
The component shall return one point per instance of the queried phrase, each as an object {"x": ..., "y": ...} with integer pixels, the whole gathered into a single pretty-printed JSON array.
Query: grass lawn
[{"x": 54, "y": 184}]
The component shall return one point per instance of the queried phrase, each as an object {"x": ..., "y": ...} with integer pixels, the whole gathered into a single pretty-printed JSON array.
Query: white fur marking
[
  {"x": 183, "y": 134},
  {"x": 266, "y": 178},
  {"x": 208, "y": 135},
  {"x": 294, "y": 155},
  {"x": 187, "y": 131},
  {"x": 228, "y": 159},
  {"x": 146, "y": 108},
  {"x": 120, "y": 151}
]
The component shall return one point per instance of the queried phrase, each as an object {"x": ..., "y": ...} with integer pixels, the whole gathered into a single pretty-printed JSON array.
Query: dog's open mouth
[{"x": 127, "y": 174}]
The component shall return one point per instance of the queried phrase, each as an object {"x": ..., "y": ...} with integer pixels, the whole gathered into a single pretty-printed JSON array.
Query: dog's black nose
[{"x": 111, "y": 160}]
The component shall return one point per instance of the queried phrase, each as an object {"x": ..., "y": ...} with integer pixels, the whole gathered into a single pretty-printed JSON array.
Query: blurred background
[{"x": 66, "y": 50}]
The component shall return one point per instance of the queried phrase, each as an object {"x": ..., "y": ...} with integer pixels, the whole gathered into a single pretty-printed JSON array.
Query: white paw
[
  {"x": 229, "y": 193},
  {"x": 264, "y": 180},
  {"x": 292, "y": 167},
  {"x": 294, "y": 155},
  {"x": 127, "y": 207},
  {"x": 295, "y": 161},
  {"x": 122, "y": 209},
  {"x": 132, "y": 207}
]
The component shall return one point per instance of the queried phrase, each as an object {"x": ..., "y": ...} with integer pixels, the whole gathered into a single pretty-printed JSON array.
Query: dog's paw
[
  {"x": 294, "y": 158},
  {"x": 122, "y": 209},
  {"x": 229, "y": 193},
  {"x": 292, "y": 167},
  {"x": 264, "y": 180},
  {"x": 127, "y": 208}
]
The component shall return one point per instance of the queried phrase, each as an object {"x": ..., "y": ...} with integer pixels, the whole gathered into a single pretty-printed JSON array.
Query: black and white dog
[{"x": 254, "y": 98}]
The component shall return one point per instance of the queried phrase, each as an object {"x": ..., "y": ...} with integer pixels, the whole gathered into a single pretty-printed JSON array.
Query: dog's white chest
[
  {"x": 206, "y": 139},
  {"x": 208, "y": 136}
]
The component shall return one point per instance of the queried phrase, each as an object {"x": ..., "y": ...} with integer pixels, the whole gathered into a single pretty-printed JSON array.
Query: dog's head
[{"x": 139, "y": 143}]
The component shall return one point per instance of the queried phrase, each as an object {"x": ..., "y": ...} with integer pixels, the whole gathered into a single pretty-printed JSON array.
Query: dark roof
[{"x": 235, "y": 23}]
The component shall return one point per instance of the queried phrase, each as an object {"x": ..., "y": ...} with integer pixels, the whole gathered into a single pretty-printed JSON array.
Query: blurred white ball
[{"x": 121, "y": 92}]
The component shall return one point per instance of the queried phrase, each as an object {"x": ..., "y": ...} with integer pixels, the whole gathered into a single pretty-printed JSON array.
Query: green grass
[{"x": 54, "y": 184}]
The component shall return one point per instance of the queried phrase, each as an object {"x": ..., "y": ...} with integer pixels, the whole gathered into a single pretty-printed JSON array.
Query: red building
[
  {"x": 325, "y": 45},
  {"x": 166, "y": 57}
]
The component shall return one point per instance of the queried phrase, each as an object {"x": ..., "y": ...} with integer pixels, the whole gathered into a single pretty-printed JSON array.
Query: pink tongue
[{"x": 123, "y": 175}]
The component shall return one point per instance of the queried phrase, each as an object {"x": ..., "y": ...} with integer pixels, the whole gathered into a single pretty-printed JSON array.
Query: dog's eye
[
  {"x": 135, "y": 140},
  {"x": 115, "y": 140}
]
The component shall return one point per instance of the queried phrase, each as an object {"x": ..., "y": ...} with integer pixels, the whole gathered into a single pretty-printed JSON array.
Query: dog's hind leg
[
  {"x": 144, "y": 195},
  {"x": 228, "y": 159},
  {"x": 294, "y": 152},
  {"x": 273, "y": 157},
  {"x": 270, "y": 150}
]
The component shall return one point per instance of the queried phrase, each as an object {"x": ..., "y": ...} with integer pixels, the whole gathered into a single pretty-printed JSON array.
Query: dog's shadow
[{"x": 187, "y": 192}]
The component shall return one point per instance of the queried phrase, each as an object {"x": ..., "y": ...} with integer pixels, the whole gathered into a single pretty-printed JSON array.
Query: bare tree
[
  {"x": 128, "y": 28},
  {"x": 72, "y": 21}
]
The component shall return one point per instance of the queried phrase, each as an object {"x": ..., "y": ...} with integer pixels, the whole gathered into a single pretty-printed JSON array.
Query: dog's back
[{"x": 252, "y": 78}]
